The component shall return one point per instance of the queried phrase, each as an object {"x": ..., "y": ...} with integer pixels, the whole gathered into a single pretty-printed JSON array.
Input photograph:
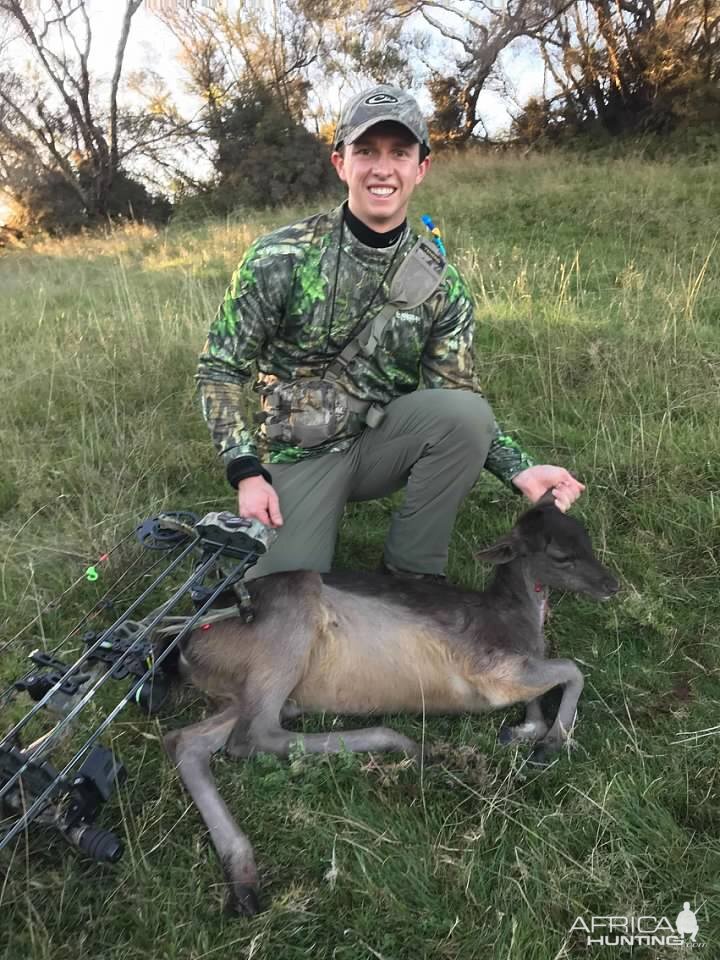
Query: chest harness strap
[{"x": 415, "y": 281}]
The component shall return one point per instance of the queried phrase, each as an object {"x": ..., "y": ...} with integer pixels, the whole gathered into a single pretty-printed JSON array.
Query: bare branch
[
  {"x": 442, "y": 28},
  {"x": 130, "y": 10},
  {"x": 45, "y": 139}
]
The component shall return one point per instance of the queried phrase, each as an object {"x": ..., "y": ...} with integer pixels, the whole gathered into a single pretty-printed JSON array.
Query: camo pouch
[{"x": 309, "y": 412}]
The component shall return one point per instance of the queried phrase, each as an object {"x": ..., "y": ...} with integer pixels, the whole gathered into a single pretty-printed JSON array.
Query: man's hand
[
  {"x": 258, "y": 501},
  {"x": 535, "y": 481}
]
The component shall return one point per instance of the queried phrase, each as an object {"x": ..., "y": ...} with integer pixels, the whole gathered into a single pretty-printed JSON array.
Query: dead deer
[{"x": 364, "y": 643}]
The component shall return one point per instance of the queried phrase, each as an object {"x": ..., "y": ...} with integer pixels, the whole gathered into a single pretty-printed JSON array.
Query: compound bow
[{"x": 69, "y": 799}]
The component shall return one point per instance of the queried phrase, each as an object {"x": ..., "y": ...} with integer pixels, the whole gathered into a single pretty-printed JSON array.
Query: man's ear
[
  {"x": 502, "y": 551},
  {"x": 338, "y": 161},
  {"x": 422, "y": 170}
]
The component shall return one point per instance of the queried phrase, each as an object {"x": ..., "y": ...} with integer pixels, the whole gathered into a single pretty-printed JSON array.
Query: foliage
[
  {"x": 448, "y": 112},
  {"x": 46, "y": 202},
  {"x": 475, "y": 35},
  {"x": 640, "y": 66},
  {"x": 257, "y": 70},
  {"x": 265, "y": 157},
  {"x": 261, "y": 71},
  {"x": 292, "y": 48}
]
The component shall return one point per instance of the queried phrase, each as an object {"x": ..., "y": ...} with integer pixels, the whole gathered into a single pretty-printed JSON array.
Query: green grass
[{"x": 598, "y": 342}]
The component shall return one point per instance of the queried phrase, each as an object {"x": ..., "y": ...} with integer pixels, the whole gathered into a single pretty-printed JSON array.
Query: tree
[
  {"x": 54, "y": 122},
  {"x": 478, "y": 32},
  {"x": 265, "y": 157},
  {"x": 636, "y": 65}
]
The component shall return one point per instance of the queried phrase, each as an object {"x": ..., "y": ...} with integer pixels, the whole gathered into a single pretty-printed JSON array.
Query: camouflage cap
[{"x": 383, "y": 102}]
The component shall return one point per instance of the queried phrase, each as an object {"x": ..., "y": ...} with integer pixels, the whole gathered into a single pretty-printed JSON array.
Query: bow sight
[{"x": 68, "y": 799}]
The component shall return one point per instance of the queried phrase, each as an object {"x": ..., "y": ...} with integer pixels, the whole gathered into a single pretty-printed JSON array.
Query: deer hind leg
[
  {"x": 290, "y": 711},
  {"x": 264, "y": 734},
  {"x": 260, "y": 730},
  {"x": 278, "y": 741},
  {"x": 191, "y": 749}
]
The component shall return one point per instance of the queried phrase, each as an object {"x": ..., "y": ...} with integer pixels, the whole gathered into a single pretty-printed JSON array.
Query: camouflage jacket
[{"x": 285, "y": 315}]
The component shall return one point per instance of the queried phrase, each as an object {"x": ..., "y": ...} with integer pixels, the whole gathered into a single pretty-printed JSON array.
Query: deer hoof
[
  {"x": 542, "y": 756},
  {"x": 242, "y": 901},
  {"x": 506, "y": 736},
  {"x": 522, "y": 733}
]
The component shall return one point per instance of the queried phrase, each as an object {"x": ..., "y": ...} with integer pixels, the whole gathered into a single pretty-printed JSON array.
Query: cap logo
[{"x": 381, "y": 98}]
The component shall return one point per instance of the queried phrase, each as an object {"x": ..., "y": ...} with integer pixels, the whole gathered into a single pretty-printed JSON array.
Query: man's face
[{"x": 381, "y": 169}]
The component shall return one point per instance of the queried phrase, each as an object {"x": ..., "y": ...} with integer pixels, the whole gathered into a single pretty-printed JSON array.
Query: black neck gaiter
[{"x": 371, "y": 238}]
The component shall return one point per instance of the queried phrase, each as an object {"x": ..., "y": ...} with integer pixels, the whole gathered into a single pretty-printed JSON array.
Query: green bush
[
  {"x": 50, "y": 204},
  {"x": 265, "y": 158}
]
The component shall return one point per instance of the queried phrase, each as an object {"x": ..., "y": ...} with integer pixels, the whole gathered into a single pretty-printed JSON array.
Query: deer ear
[
  {"x": 546, "y": 500},
  {"x": 502, "y": 551}
]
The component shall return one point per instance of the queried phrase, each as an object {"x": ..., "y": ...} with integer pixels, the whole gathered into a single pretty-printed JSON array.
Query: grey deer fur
[{"x": 361, "y": 643}]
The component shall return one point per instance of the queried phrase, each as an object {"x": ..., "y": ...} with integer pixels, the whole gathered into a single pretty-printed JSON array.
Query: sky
[{"x": 151, "y": 44}]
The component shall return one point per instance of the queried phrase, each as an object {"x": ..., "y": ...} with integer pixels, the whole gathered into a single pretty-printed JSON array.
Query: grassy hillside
[{"x": 598, "y": 341}]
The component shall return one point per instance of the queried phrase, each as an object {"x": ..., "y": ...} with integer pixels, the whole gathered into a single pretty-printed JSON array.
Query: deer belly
[{"x": 414, "y": 675}]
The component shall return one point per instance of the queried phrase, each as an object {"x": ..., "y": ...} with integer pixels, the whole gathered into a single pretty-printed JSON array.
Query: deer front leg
[
  {"x": 191, "y": 749},
  {"x": 565, "y": 674},
  {"x": 533, "y": 678}
]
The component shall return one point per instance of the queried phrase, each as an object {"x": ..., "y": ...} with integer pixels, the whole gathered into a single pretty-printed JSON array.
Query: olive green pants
[{"x": 432, "y": 442}]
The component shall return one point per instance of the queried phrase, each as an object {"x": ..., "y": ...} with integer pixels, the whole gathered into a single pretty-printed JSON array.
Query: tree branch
[{"x": 130, "y": 11}]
